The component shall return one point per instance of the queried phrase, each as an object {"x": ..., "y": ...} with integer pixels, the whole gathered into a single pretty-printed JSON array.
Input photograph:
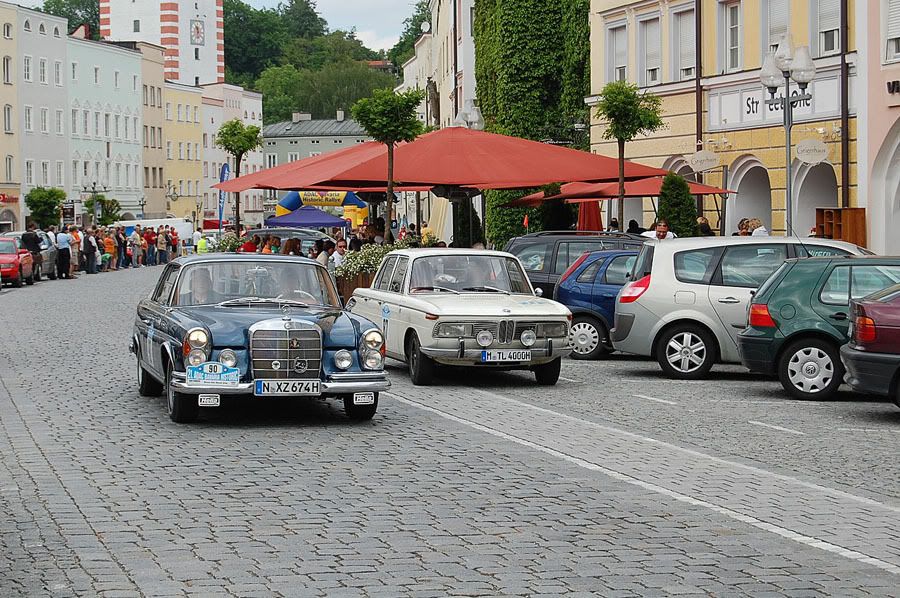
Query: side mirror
[
  {"x": 539, "y": 292},
  {"x": 24, "y": 252}
]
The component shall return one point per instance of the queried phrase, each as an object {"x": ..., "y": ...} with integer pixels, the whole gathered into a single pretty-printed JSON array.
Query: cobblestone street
[{"x": 616, "y": 482}]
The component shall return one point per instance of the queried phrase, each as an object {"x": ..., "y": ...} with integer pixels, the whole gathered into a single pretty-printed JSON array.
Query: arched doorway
[
  {"x": 754, "y": 194},
  {"x": 816, "y": 186},
  {"x": 127, "y": 216},
  {"x": 8, "y": 221},
  {"x": 884, "y": 195}
]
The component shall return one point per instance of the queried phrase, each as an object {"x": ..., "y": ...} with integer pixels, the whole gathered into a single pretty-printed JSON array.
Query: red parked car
[
  {"x": 872, "y": 357},
  {"x": 15, "y": 262}
]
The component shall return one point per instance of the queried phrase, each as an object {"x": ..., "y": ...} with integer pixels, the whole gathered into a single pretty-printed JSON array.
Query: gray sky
[{"x": 378, "y": 22}]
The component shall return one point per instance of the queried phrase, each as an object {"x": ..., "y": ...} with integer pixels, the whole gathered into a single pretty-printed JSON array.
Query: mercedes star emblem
[
  {"x": 286, "y": 311},
  {"x": 295, "y": 343}
]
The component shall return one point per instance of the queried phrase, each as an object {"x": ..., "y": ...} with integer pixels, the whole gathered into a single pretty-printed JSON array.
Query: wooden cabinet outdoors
[{"x": 842, "y": 224}]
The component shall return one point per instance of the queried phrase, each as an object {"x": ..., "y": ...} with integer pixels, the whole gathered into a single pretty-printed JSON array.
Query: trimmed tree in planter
[{"x": 677, "y": 206}]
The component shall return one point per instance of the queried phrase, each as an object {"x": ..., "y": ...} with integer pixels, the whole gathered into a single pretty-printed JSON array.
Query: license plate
[
  {"x": 208, "y": 400},
  {"x": 212, "y": 373},
  {"x": 287, "y": 388},
  {"x": 364, "y": 398},
  {"x": 503, "y": 355}
]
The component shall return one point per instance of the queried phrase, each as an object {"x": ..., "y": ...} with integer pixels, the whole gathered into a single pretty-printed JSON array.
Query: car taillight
[
  {"x": 864, "y": 329},
  {"x": 572, "y": 268},
  {"x": 633, "y": 290},
  {"x": 760, "y": 317}
]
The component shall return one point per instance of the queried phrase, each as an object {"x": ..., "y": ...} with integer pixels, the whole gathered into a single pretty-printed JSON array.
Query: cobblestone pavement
[{"x": 614, "y": 483}]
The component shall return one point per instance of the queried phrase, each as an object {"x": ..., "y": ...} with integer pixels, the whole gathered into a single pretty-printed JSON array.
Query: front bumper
[
  {"x": 869, "y": 373},
  {"x": 541, "y": 352},
  {"x": 334, "y": 384}
]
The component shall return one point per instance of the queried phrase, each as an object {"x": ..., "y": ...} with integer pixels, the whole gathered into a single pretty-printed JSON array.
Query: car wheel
[
  {"x": 588, "y": 338},
  {"x": 182, "y": 409},
  {"x": 148, "y": 386},
  {"x": 360, "y": 412},
  {"x": 548, "y": 374},
  {"x": 686, "y": 352},
  {"x": 18, "y": 281},
  {"x": 36, "y": 273},
  {"x": 810, "y": 369},
  {"x": 421, "y": 367}
]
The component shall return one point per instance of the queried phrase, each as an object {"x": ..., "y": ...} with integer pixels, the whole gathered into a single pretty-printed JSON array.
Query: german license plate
[
  {"x": 364, "y": 398},
  {"x": 287, "y": 388},
  {"x": 208, "y": 400},
  {"x": 501, "y": 355}
]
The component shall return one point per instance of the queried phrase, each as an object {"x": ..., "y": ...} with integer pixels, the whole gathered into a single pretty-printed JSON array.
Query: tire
[
  {"x": 148, "y": 386},
  {"x": 810, "y": 368},
  {"x": 421, "y": 367},
  {"x": 686, "y": 352},
  {"x": 360, "y": 413},
  {"x": 18, "y": 281},
  {"x": 182, "y": 409},
  {"x": 548, "y": 373},
  {"x": 588, "y": 338},
  {"x": 36, "y": 273}
]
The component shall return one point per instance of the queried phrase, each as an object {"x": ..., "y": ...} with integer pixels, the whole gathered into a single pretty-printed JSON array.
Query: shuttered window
[
  {"x": 618, "y": 49},
  {"x": 778, "y": 21},
  {"x": 893, "y": 30},
  {"x": 829, "y": 16},
  {"x": 732, "y": 36},
  {"x": 686, "y": 51},
  {"x": 652, "y": 58}
]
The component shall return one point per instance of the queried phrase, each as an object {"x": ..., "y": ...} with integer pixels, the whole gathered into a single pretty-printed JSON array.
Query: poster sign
[
  {"x": 812, "y": 151},
  {"x": 703, "y": 160},
  {"x": 326, "y": 199}
]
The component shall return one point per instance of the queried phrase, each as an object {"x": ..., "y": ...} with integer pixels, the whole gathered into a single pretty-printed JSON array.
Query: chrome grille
[
  {"x": 476, "y": 327},
  {"x": 506, "y": 332},
  {"x": 297, "y": 352}
]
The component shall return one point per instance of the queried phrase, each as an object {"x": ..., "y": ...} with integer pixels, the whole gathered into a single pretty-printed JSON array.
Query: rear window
[
  {"x": 619, "y": 268},
  {"x": 750, "y": 265},
  {"x": 569, "y": 251},
  {"x": 807, "y": 250},
  {"x": 590, "y": 273},
  {"x": 770, "y": 282},
  {"x": 533, "y": 255},
  {"x": 644, "y": 263},
  {"x": 695, "y": 266}
]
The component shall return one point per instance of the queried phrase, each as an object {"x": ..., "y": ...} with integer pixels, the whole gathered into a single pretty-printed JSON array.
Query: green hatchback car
[{"x": 800, "y": 317}]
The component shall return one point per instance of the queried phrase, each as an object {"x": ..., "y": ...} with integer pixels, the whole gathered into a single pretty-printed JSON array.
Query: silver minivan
[{"x": 687, "y": 299}]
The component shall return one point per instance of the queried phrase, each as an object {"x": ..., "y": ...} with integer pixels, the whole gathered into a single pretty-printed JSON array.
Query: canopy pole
[
  {"x": 419, "y": 213},
  {"x": 484, "y": 219},
  {"x": 655, "y": 210}
]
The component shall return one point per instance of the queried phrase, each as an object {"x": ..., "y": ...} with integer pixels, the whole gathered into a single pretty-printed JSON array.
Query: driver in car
[
  {"x": 289, "y": 287},
  {"x": 202, "y": 292}
]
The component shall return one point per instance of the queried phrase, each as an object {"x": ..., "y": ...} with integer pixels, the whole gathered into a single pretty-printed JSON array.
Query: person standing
[
  {"x": 110, "y": 247},
  {"x": 137, "y": 248},
  {"x": 74, "y": 250},
  {"x": 660, "y": 231},
  {"x": 162, "y": 251},
  {"x": 174, "y": 244},
  {"x": 195, "y": 239},
  {"x": 150, "y": 238},
  {"x": 338, "y": 256},
  {"x": 89, "y": 249},
  {"x": 32, "y": 243},
  {"x": 63, "y": 255}
]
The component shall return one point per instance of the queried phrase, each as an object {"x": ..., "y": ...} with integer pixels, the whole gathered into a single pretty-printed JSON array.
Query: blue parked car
[{"x": 589, "y": 288}]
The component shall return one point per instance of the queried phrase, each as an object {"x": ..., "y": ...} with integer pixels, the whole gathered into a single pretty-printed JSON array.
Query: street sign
[
  {"x": 703, "y": 160},
  {"x": 812, "y": 151},
  {"x": 68, "y": 212}
]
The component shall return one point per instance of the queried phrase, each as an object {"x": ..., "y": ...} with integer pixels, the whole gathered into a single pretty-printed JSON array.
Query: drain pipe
[
  {"x": 845, "y": 106},
  {"x": 698, "y": 91}
]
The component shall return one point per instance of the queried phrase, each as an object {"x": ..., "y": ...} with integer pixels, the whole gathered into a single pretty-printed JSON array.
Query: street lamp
[
  {"x": 782, "y": 66},
  {"x": 95, "y": 188},
  {"x": 171, "y": 193},
  {"x": 142, "y": 202}
]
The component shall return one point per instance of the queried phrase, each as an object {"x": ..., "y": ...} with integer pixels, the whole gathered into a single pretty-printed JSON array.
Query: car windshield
[
  {"x": 468, "y": 274},
  {"x": 7, "y": 246},
  {"x": 244, "y": 282}
]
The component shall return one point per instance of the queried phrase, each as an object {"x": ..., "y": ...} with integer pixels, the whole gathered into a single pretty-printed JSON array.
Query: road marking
[
  {"x": 655, "y": 399},
  {"x": 868, "y": 429},
  {"x": 781, "y": 531},
  {"x": 779, "y": 428},
  {"x": 568, "y": 379}
]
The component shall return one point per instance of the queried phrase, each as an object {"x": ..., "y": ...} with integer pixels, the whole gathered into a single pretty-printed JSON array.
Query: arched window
[
  {"x": 7, "y": 30},
  {"x": 7, "y": 119},
  {"x": 42, "y": 30},
  {"x": 7, "y": 69},
  {"x": 56, "y": 32},
  {"x": 27, "y": 25}
]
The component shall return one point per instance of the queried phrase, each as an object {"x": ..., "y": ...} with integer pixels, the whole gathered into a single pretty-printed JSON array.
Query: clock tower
[{"x": 191, "y": 31}]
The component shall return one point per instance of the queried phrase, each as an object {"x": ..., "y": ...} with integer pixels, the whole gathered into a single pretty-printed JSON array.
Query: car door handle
[
  {"x": 607, "y": 295},
  {"x": 729, "y": 300},
  {"x": 838, "y": 316}
]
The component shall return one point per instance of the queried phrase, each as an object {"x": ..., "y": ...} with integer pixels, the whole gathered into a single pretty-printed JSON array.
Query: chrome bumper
[
  {"x": 551, "y": 348},
  {"x": 336, "y": 384}
]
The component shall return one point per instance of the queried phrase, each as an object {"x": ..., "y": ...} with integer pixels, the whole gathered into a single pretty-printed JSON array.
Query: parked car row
[{"x": 16, "y": 262}]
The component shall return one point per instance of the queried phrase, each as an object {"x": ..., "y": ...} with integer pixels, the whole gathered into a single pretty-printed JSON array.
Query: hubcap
[
  {"x": 810, "y": 370},
  {"x": 584, "y": 338},
  {"x": 686, "y": 352}
]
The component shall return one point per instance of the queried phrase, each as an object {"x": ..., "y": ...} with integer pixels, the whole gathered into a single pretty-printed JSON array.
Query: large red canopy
[
  {"x": 454, "y": 156},
  {"x": 582, "y": 192}
]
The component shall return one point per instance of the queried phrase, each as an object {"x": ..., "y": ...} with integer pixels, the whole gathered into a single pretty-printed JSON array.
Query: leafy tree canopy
[
  {"x": 302, "y": 18},
  {"x": 318, "y": 52},
  {"x": 628, "y": 112},
  {"x": 390, "y": 117},
  {"x": 77, "y": 12},
  {"x": 254, "y": 39},
  {"x": 404, "y": 49},
  {"x": 110, "y": 209},
  {"x": 44, "y": 204}
]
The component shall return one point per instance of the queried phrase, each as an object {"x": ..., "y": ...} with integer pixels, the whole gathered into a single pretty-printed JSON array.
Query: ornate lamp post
[
  {"x": 171, "y": 193},
  {"x": 95, "y": 188},
  {"x": 142, "y": 202},
  {"x": 780, "y": 67}
]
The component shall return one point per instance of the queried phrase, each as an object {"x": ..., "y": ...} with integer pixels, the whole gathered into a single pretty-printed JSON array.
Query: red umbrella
[
  {"x": 589, "y": 217},
  {"x": 454, "y": 157},
  {"x": 579, "y": 192}
]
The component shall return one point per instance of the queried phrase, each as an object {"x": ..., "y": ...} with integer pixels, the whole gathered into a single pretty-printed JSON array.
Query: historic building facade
[
  {"x": 10, "y": 136},
  {"x": 183, "y": 135}
]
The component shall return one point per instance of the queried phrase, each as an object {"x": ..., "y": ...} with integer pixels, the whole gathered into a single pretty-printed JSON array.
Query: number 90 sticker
[{"x": 212, "y": 373}]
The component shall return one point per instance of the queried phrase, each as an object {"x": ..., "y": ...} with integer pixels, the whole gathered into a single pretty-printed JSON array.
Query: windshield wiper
[
  {"x": 239, "y": 301},
  {"x": 256, "y": 300},
  {"x": 414, "y": 289},
  {"x": 487, "y": 288}
]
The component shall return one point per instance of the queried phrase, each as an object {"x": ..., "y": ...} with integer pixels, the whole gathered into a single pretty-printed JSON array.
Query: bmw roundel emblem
[
  {"x": 276, "y": 365},
  {"x": 301, "y": 366}
]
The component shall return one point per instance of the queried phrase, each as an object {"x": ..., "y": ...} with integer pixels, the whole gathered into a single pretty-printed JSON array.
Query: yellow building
[
  {"x": 10, "y": 200},
  {"x": 654, "y": 44},
  {"x": 183, "y": 134}
]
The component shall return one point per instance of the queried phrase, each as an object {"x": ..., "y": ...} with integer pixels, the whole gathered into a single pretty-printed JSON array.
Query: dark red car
[
  {"x": 872, "y": 357},
  {"x": 15, "y": 262}
]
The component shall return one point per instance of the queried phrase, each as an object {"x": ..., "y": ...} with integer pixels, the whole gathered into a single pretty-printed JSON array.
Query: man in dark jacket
[{"x": 32, "y": 243}]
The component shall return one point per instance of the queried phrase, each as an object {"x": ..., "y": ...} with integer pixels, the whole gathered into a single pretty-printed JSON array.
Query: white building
[{"x": 193, "y": 34}]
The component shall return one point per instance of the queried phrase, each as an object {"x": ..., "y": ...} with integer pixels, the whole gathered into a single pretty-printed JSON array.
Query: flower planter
[{"x": 348, "y": 284}]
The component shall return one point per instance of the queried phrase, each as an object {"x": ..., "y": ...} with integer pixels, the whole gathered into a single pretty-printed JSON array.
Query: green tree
[
  {"x": 281, "y": 90},
  {"x": 319, "y": 52},
  {"x": 404, "y": 49},
  {"x": 44, "y": 203},
  {"x": 253, "y": 40},
  {"x": 302, "y": 18},
  {"x": 238, "y": 139},
  {"x": 677, "y": 206},
  {"x": 627, "y": 113},
  {"x": 77, "y": 12},
  {"x": 110, "y": 209},
  {"x": 390, "y": 118}
]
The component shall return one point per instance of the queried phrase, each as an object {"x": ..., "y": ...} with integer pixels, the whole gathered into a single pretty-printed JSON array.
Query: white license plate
[
  {"x": 504, "y": 355},
  {"x": 208, "y": 400},
  {"x": 364, "y": 398},
  {"x": 287, "y": 388}
]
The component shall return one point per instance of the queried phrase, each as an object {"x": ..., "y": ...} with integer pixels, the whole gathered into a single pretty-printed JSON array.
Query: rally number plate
[
  {"x": 287, "y": 388},
  {"x": 212, "y": 373},
  {"x": 499, "y": 356}
]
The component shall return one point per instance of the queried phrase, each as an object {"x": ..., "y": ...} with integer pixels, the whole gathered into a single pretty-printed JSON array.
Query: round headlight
[
  {"x": 198, "y": 338},
  {"x": 196, "y": 357},
  {"x": 343, "y": 360},
  {"x": 373, "y": 339},
  {"x": 228, "y": 358},
  {"x": 528, "y": 338},
  {"x": 485, "y": 338},
  {"x": 373, "y": 360}
]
